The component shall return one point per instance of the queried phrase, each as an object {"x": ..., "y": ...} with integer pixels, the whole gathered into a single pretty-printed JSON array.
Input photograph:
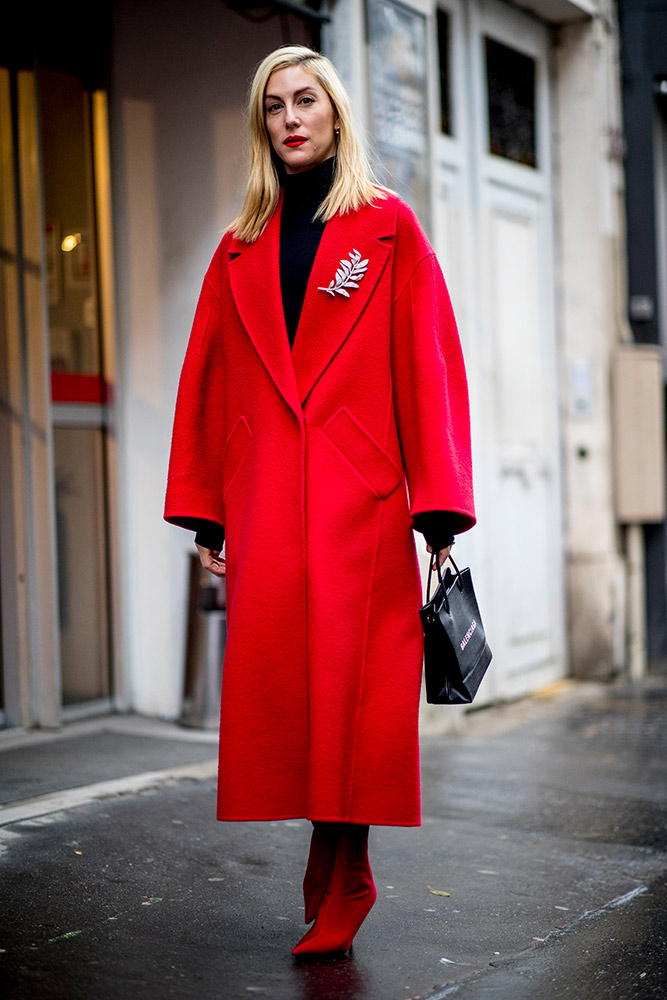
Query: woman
[{"x": 322, "y": 414}]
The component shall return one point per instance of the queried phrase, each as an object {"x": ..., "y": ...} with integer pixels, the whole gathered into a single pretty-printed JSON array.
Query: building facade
[
  {"x": 122, "y": 161},
  {"x": 643, "y": 30}
]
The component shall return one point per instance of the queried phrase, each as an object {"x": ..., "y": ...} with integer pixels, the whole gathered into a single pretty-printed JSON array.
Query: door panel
[
  {"x": 494, "y": 186},
  {"x": 522, "y": 448},
  {"x": 80, "y": 525}
]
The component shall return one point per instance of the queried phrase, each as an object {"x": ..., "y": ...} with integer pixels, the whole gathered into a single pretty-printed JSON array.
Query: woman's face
[{"x": 300, "y": 119}]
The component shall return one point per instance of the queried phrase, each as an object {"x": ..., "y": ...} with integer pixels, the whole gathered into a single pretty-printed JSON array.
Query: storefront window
[
  {"x": 69, "y": 236},
  {"x": 79, "y": 392}
]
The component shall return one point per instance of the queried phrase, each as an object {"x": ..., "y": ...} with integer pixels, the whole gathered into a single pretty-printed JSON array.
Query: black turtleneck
[
  {"x": 299, "y": 239},
  {"x": 299, "y": 235}
]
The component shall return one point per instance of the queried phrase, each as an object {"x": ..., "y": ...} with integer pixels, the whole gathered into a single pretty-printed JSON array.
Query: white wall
[{"x": 179, "y": 79}]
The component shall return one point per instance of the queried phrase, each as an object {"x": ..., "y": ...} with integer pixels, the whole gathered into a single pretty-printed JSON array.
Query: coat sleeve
[
  {"x": 431, "y": 397},
  {"x": 194, "y": 483}
]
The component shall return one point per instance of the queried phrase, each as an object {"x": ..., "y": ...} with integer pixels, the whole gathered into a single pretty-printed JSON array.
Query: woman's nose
[{"x": 291, "y": 117}]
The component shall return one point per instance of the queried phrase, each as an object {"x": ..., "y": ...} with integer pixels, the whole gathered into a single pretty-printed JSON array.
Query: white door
[{"x": 494, "y": 236}]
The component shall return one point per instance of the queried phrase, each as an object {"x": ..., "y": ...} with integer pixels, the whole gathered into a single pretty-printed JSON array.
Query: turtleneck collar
[{"x": 310, "y": 187}]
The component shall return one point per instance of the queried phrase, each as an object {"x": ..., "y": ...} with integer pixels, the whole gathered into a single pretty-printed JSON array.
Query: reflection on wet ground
[{"x": 332, "y": 979}]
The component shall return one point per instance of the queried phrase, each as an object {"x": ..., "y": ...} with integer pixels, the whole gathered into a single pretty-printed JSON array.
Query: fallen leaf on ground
[{"x": 438, "y": 892}]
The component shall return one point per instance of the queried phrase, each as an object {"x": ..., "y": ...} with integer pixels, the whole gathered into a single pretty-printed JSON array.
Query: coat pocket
[
  {"x": 363, "y": 452},
  {"x": 235, "y": 449}
]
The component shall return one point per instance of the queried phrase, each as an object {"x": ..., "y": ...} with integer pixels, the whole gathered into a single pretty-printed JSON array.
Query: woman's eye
[
  {"x": 308, "y": 99},
  {"x": 273, "y": 107}
]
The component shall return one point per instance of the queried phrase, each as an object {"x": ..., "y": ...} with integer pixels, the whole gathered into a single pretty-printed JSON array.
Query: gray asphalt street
[{"x": 544, "y": 838}]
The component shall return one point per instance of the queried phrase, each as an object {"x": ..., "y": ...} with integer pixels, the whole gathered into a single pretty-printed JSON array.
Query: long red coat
[{"x": 304, "y": 457}]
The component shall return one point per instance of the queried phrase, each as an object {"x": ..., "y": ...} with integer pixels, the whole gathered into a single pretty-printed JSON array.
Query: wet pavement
[
  {"x": 546, "y": 824},
  {"x": 108, "y": 753}
]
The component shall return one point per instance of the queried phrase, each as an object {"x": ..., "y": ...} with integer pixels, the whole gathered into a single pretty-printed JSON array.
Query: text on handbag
[{"x": 466, "y": 638}]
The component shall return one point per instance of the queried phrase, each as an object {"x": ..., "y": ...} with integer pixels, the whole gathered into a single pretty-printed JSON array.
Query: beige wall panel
[{"x": 639, "y": 434}]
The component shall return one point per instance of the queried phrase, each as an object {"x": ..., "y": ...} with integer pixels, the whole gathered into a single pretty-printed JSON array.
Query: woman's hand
[
  {"x": 443, "y": 554},
  {"x": 210, "y": 560}
]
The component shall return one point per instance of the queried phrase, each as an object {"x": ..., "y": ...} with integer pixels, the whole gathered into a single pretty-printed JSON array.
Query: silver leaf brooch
[{"x": 348, "y": 275}]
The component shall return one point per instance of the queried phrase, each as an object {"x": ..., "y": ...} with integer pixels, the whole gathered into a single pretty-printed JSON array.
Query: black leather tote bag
[{"x": 456, "y": 653}]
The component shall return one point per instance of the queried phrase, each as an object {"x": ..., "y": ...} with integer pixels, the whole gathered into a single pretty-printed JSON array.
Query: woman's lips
[{"x": 295, "y": 140}]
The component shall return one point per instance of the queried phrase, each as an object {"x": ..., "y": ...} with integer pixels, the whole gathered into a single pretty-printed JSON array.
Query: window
[
  {"x": 443, "y": 60},
  {"x": 510, "y": 79}
]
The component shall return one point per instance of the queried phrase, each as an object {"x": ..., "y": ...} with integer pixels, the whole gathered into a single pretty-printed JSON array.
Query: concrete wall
[
  {"x": 592, "y": 297},
  {"x": 179, "y": 78}
]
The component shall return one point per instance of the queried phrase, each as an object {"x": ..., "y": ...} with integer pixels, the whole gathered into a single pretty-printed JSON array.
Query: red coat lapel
[
  {"x": 327, "y": 320},
  {"x": 254, "y": 276}
]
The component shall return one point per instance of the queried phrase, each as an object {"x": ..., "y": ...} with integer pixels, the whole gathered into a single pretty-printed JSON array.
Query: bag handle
[{"x": 435, "y": 564}]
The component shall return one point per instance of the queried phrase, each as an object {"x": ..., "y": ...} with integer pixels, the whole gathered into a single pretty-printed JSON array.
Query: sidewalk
[{"x": 545, "y": 823}]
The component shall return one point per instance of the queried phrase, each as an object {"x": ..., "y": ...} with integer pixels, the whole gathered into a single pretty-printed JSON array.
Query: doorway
[
  {"x": 494, "y": 235},
  {"x": 56, "y": 406},
  {"x": 80, "y": 387}
]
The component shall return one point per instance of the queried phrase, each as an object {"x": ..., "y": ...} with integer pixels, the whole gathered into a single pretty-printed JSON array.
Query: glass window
[
  {"x": 399, "y": 94},
  {"x": 510, "y": 79},
  {"x": 70, "y": 238},
  {"x": 443, "y": 61},
  {"x": 78, "y": 389}
]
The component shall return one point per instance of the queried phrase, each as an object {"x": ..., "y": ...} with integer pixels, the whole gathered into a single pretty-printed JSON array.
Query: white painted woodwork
[{"x": 495, "y": 242}]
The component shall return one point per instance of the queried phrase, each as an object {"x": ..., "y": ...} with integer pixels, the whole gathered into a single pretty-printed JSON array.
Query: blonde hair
[{"x": 354, "y": 183}]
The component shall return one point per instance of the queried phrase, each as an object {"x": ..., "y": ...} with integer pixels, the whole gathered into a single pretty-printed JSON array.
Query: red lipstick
[{"x": 294, "y": 140}]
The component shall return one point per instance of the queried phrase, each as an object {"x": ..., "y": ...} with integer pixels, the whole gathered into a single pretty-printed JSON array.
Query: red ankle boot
[
  {"x": 319, "y": 867},
  {"x": 347, "y": 900}
]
